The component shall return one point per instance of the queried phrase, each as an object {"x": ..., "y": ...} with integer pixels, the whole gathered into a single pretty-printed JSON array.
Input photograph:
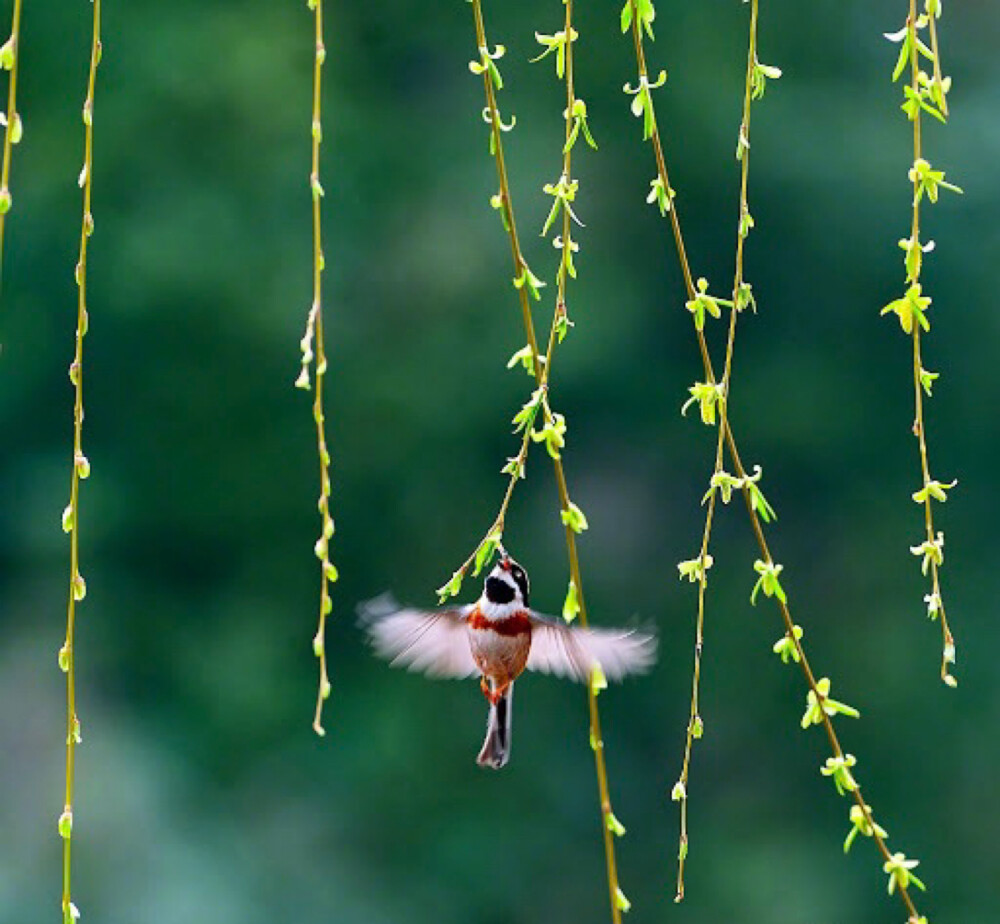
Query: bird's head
[{"x": 507, "y": 582}]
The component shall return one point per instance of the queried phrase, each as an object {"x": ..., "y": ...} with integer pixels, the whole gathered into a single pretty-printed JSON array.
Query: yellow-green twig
[
  {"x": 314, "y": 357},
  {"x": 81, "y": 470},
  {"x": 12, "y": 132},
  {"x": 746, "y": 485},
  {"x": 695, "y": 722},
  {"x": 542, "y": 364},
  {"x": 919, "y": 429}
]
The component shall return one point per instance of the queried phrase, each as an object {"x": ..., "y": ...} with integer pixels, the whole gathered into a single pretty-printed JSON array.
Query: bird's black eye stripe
[{"x": 521, "y": 579}]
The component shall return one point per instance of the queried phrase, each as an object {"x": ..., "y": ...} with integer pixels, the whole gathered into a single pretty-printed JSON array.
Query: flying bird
[{"x": 497, "y": 638}]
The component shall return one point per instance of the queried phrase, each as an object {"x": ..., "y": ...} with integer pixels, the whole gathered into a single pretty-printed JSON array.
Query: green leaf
[
  {"x": 840, "y": 769},
  {"x": 529, "y": 279},
  {"x": 7, "y": 54},
  {"x": 927, "y": 381},
  {"x": 563, "y": 324},
  {"x": 695, "y": 569},
  {"x": 452, "y": 587},
  {"x": 926, "y": 179},
  {"x": 862, "y": 826},
  {"x": 759, "y": 77},
  {"x": 574, "y": 518},
  {"x": 525, "y": 357},
  {"x": 563, "y": 193},
  {"x": 613, "y": 824},
  {"x": 553, "y": 434},
  {"x": 514, "y": 467},
  {"x": 79, "y": 587},
  {"x": 931, "y": 552},
  {"x": 910, "y": 308},
  {"x": 82, "y": 465},
  {"x": 571, "y": 605},
  {"x": 486, "y": 549},
  {"x": 626, "y": 16},
  {"x": 819, "y": 703},
  {"x": 899, "y": 870},
  {"x": 786, "y": 648},
  {"x": 660, "y": 195},
  {"x": 708, "y": 395},
  {"x": 768, "y": 581},
  {"x": 934, "y": 489},
  {"x": 724, "y": 483},
  {"x": 525, "y": 418},
  {"x": 703, "y": 304},
  {"x": 556, "y": 44}
]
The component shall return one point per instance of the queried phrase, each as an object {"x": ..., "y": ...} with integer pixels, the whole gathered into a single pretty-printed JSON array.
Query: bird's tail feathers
[{"x": 496, "y": 747}]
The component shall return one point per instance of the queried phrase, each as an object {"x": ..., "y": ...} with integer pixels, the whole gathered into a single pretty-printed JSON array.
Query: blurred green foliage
[{"x": 202, "y": 793}]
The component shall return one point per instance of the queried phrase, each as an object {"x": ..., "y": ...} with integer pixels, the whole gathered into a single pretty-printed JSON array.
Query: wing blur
[
  {"x": 572, "y": 651},
  {"x": 434, "y": 642}
]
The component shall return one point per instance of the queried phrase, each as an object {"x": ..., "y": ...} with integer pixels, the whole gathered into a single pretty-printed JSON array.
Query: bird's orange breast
[
  {"x": 516, "y": 624},
  {"x": 500, "y": 646}
]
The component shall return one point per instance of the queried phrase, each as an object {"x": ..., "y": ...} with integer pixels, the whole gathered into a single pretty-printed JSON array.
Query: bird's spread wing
[
  {"x": 572, "y": 651},
  {"x": 432, "y": 641}
]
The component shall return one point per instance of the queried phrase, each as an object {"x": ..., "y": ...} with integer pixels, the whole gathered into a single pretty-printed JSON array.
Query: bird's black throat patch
[{"x": 498, "y": 591}]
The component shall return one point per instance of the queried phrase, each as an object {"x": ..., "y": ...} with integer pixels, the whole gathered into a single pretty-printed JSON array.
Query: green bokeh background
[{"x": 202, "y": 793}]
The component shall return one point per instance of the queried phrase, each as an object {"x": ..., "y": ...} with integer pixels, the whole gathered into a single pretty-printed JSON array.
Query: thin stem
[
  {"x": 542, "y": 369},
  {"x": 741, "y": 472},
  {"x": 13, "y": 119},
  {"x": 81, "y": 470},
  {"x": 314, "y": 335},
  {"x": 564, "y": 500},
  {"x": 694, "y": 721},
  {"x": 938, "y": 77},
  {"x": 831, "y": 734},
  {"x": 520, "y": 265},
  {"x": 947, "y": 640},
  {"x": 661, "y": 163}
]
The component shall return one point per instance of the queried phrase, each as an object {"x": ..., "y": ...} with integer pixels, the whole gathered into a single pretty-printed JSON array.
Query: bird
[{"x": 497, "y": 638}]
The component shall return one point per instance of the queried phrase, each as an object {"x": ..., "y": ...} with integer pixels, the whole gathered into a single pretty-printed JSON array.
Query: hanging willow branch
[
  {"x": 925, "y": 93},
  {"x": 711, "y": 395},
  {"x": 314, "y": 357},
  {"x": 81, "y": 470},
  {"x": 10, "y": 55},
  {"x": 536, "y": 418}
]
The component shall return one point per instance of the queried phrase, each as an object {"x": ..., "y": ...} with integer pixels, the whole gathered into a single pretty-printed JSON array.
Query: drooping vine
[
  {"x": 536, "y": 420},
  {"x": 924, "y": 93},
  {"x": 80, "y": 471},
  {"x": 713, "y": 396},
  {"x": 10, "y": 55},
  {"x": 314, "y": 360}
]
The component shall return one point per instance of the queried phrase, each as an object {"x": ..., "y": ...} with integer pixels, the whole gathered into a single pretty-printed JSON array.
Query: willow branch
[
  {"x": 542, "y": 366},
  {"x": 755, "y": 520},
  {"x": 314, "y": 357},
  {"x": 81, "y": 470},
  {"x": 919, "y": 428},
  {"x": 11, "y": 55}
]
